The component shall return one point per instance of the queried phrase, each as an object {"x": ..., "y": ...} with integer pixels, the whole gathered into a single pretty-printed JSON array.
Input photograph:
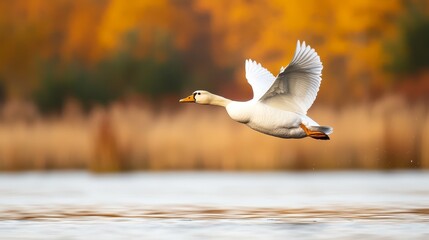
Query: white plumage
[{"x": 280, "y": 104}]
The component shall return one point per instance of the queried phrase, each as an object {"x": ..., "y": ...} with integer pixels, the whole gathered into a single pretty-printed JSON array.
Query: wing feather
[
  {"x": 296, "y": 86},
  {"x": 259, "y": 78}
]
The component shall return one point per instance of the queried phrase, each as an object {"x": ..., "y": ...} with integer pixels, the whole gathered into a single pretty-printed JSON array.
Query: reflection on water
[
  {"x": 207, "y": 213},
  {"x": 345, "y": 205}
]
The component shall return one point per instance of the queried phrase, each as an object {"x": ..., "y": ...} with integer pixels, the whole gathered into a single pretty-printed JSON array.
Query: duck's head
[{"x": 199, "y": 96}]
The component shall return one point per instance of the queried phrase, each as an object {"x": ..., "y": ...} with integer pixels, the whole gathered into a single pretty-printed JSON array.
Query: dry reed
[{"x": 388, "y": 134}]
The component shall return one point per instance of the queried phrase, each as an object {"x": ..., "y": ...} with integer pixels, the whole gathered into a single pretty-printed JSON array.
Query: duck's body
[
  {"x": 280, "y": 104},
  {"x": 268, "y": 120}
]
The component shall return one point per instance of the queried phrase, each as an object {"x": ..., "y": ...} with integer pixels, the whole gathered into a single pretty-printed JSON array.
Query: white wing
[
  {"x": 296, "y": 86},
  {"x": 259, "y": 78}
]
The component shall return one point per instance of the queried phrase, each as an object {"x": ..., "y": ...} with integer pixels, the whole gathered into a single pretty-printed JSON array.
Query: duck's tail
[{"x": 318, "y": 132}]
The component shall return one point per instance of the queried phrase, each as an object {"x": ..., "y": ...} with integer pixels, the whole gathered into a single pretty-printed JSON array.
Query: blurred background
[{"x": 94, "y": 84}]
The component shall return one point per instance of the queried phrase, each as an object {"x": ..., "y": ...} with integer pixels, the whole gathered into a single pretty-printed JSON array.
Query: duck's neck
[{"x": 219, "y": 101}]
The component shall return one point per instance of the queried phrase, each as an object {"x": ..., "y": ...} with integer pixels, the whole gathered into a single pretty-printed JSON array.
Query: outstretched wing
[
  {"x": 259, "y": 78},
  {"x": 296, "y": 86}
]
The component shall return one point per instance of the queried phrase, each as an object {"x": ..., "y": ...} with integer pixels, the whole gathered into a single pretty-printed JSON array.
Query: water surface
[{"x": 210, "y": 205}]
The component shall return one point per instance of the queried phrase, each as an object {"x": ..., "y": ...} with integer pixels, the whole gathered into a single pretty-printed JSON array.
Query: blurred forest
[{"x": 68, "y": 67}]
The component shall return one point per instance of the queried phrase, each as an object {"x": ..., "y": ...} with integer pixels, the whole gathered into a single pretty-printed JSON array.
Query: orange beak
[{"x": 187, "y": 99}]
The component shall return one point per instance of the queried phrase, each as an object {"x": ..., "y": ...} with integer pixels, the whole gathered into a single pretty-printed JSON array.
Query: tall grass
[{"x": 387, "y": 134}]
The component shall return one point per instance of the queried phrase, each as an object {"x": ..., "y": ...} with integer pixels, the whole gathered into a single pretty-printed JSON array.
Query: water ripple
[{"x": 207, "y": 213}]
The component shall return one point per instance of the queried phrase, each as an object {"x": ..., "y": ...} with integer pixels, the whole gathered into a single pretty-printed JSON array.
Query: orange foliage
[{"x": 348, "y": 35}]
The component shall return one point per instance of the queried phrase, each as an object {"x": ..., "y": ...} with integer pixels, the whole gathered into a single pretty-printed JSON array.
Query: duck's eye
[{"x": 199, "y": 93}]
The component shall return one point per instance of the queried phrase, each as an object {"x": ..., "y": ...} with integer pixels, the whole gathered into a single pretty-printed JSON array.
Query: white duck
[{"x": 279, "y": 105}]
